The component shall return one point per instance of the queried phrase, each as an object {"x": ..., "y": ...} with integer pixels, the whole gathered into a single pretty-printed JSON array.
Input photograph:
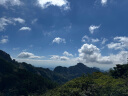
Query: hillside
[
  {"x": 15, "y": 81},
  {"x": 97, "y": 84}
]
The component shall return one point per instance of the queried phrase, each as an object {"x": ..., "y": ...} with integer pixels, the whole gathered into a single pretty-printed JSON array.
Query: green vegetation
[
  {"x": 113, "y": 83},
  {"x": 15, "y": 81},
  {"x": 120, "y": 71}
]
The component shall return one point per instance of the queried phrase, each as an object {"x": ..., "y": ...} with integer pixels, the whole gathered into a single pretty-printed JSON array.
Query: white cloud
[
  {"x": 10, "y": 2},
  {"x": 57, "y": 57},
  {"x": 115, "y": 46},
  {"x": 27, "y": 55},
  {"x": 120, "y": 43},
  {"x": 104, "y": 2},
  {"x": 4, "y": 22},
  {"x": 85, "y": 38},
  {"x": 25, "y": 29},
  {"x": 90, "y": 53},
  {"x": 64, "y": 58},
  {"x": 95, "y": 40},
  {"x": 4, "y": 39},
  {"x": 88, "y": 39},
  {"x": 60, "y": 3},
  {"x": 7, "y": 21},
  {"x": 104, "y": 41},
  {"x": 122, "y": 39},
  {"x": 59, "y": 40},
  {"x": 119, "y": 58},
  {"x": 92, "y": 28},
  {"x": 67, "y": 54},
  {"x": 20, "y": 20}
]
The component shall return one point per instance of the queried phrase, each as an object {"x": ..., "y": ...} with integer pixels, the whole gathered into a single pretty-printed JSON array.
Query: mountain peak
[{"x": 81, "y": 64}]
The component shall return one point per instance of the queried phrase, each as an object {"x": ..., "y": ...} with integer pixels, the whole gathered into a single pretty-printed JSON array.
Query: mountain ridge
[
  {"x": 18, "y": 78},
  {"x": 59, "y": 74}
]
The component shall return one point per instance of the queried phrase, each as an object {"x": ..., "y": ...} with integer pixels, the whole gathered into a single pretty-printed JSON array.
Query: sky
[{"x": 50, "y": 33}]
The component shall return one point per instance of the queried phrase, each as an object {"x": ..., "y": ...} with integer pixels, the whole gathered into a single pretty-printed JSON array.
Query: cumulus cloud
[
  {"x": 4, "y": 39},
  {"x": 90, "y": 53},
  {"x": 25, "y": 29},
  {"x": 59, "y": 40},
  {"x": 104, "y": 2},
  {"x": 57, "y": 57},
  {"x": 27, "y": 55},
  {"x": 120, "y": 43},
  {"x": 92, "y": 28},
  {"x": 60, "y": 3},
  {"x": 10, "y": 2},
  {"x": 119, "y": 58},
  {"x": 7, "y": 21},
  {"x": 67, "y": 54}
]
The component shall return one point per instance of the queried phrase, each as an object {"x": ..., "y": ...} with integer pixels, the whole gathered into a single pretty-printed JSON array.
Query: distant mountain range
[
  {"x": 23, "y": 79},
  {"x": 74, "y": 71}
]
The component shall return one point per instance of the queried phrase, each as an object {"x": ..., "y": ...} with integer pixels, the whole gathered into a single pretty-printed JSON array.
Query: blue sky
[{"x": 49, "y": 33}]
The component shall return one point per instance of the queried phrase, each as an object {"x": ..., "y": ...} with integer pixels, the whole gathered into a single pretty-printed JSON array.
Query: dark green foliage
[
  {"x": 16, "y": 80},
  {"x": 113, "y": 83},
  {"x": 97, "y": 84},
  {"x": 120, "y": 71}
]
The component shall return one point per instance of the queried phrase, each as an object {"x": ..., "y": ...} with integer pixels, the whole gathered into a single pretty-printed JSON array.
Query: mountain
[
  {"x": 15, "y": 81},
  {"x": 74, "y": 71},
  {"x": 59, "y": 74},
  {"x": 23, "y": 79},
  {"x": 5, "y": 56}
]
